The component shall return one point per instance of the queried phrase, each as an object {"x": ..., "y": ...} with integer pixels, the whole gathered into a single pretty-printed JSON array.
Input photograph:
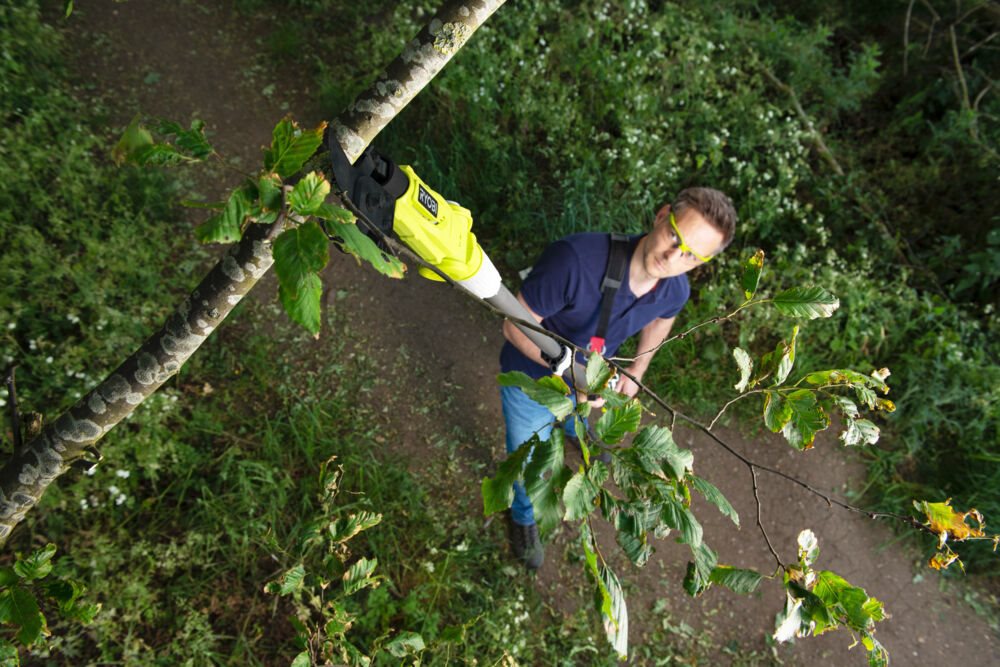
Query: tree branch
[{"x": 28, "y": 473}]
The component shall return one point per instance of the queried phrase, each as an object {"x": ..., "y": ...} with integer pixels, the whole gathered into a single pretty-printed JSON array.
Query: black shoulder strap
[{"x": 613, "y": 277}]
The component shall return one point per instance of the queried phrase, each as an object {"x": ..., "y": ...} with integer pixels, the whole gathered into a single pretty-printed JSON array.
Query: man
[{"x": 563, "y": 293}]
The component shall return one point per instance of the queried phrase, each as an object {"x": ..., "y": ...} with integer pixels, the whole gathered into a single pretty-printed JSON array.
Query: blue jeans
[{"x": 524, "y": 417}]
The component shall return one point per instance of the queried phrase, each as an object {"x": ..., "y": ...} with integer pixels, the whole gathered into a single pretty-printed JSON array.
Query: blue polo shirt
[{"x": 564, "y": 287}]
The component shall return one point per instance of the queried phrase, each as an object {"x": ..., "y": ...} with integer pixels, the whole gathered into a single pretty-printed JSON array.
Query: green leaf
[
  {"x": 334, "y": 214},
  {"x": 302, "y": 302},
  {"x": 751, "y": 273},
  {"x": 848, "y": 603},
  {"x": 807, "y": 302},
  {"x": 354, "y": 241},
  {"x": 615, "y": 423},
  {"x": 612, "y": 399},
  {"x": 615, "y": 623},
  {"x": 9, "y": 656},
  {"x": 698, "y": 577},
  {"x": 545, "y": 497},
  {"x": 343, "y": 529},
  {"x": 18, "y": 607},
  {"x": 860, "y": 432},
  {"x": 654, "y": 443},
  {"x": 37, "y": 565},
  {"x": 227, "y": 226},
  {"x": 404, "y": 644},
  {"x": 878, "y": 656},
  {"x": 192, "y": 141},
  {"x": 786, "y": 358},
  {"x": 302, "y": 660},
  {"x": 807, "y": 419},
  {"x": 300, "y": 251},
  {"x": 544, "y": 477},
  {"x": 359, "y": 575},
  {"x": 735, "y": 579},
  {"x": 590, "y": 558},
  {"x": 338, "y": 619},
  {"x": 777, "y": 412},
  {"x": 543, "y": 393},
  {"x": 289, "y": 582},
  {"x": 847, "y": 406},
  {"x": 269, "y": 189},
  {"x": 632, "y": 538},
  {"x": 714, "y": 496},
  {"x": 309, "y": 194},
  {"x": 7, "y": 577},
  {"x": 578, "y": 496},
  {"x": 680, "y": 461},
  {"x": 291, "y": 146},
  {"x": 680, "y": 518},
  {"x": 135, "y": 140},
  {"x": 598, "y": 373},
  {"x": 498, "y": 492},
  {"x": 745, "y": 364}
]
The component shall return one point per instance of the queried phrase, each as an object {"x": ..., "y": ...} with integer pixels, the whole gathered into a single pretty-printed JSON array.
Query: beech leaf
[
  {"x": 745, "y": 363},
  {"x": 751, "y": 273},
  {"x": 947, "y": 524},
  {"x": 807, "y": 302},
  {"x": 291, "y": 146}
]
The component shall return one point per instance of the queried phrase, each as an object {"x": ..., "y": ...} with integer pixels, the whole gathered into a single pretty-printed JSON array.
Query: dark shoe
[{"x": 525, "y": 544}]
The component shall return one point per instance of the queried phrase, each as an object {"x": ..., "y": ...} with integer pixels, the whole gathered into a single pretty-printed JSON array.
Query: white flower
[
  {"x": 48, "y": 360},
  {"x": 120, "y": 499},
  {"x": 12, "y": 326},
  {"x": 427, "y": 565},
  {"x": 114, "y": 490},
  {"x": 124, "y": 474}
]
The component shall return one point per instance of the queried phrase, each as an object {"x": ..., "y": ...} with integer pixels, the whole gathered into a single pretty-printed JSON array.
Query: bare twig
[
  {"x": 958, "y": 69},
  {"x": 15, "y": 415},
  {"x": 983, "y": 42},
  {"x": 760, "y": 525},
  {"x": 821, "y": 146},
  {"x": 726, "y": 406},
  {"x": 687, "y": 332}
]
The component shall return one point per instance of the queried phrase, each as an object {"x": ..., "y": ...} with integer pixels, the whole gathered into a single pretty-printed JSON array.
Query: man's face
[{"x": 662, "y": 254}]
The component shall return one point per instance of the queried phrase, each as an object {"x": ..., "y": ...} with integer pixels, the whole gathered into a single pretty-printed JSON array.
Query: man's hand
[{"x": 626, "y": 386}]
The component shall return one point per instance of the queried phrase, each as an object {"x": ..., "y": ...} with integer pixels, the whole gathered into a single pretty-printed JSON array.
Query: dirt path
[{"x": 182, "y": 60}]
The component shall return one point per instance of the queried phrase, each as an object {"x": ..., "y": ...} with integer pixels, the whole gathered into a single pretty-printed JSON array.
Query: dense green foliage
[{"x": 590, "y": 116}]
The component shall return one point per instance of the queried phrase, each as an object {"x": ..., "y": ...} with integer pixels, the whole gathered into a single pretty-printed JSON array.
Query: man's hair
[{"x": 716, "y": 207}]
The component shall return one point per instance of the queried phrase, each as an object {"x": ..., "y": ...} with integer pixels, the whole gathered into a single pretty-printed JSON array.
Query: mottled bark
[
  {"x": 421, "y": 59},
  {"x": 26, "y": 475}
]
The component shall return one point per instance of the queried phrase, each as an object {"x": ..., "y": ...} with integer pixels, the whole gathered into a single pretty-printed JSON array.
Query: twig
[
  {"x": 958, "y": 69},
  {"x": 15, "y": 416},
  {"x": 756, "y": 497},
  {"x": 684, "y": 334},
  {"x": 906, "y": 36},
  {"x": 978, "y": 44},
  {"x": 824, "y": 151},
  {"x": 726, "y": 406}
]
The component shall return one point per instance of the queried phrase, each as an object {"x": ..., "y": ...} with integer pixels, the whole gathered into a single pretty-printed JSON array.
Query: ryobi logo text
[{"x": 427, "y": 200}]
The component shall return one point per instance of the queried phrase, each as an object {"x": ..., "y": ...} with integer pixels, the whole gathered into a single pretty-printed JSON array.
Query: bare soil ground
[{"x": 187, "y": 59}]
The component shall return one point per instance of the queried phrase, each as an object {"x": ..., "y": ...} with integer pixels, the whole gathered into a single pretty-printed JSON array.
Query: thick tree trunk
[{"x": 26, "y": 475}]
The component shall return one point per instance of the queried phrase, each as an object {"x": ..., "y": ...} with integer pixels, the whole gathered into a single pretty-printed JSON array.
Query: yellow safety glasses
[{"x": 687, "y": 252}]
